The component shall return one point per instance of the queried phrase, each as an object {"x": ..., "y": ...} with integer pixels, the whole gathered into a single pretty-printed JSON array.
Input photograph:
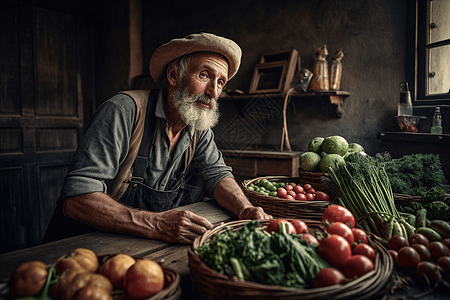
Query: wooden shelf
[{"x": 332, "y": 100}]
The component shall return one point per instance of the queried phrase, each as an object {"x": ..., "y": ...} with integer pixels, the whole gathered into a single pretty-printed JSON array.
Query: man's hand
[
  {"x": 254, "y": 213},
  {"x": 229, "y": 195},
  {"x": 179, "y": 226}
]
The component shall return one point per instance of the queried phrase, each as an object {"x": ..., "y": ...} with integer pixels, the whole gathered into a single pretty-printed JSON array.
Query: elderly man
[{"x": 141, "y": 147}]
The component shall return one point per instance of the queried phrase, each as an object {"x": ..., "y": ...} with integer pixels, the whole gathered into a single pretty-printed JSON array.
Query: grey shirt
[{"x": 106, "y": 143}]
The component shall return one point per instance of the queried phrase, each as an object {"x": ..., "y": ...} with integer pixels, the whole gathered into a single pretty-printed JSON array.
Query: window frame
[{"x": 417, "y": 56}]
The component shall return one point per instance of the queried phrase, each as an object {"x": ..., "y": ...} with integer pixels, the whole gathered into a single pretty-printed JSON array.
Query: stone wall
[{"x": 372, "y": 35}]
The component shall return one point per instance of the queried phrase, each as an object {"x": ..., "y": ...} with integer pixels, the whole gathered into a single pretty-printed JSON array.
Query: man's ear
[{"x": 172, "y": 75}]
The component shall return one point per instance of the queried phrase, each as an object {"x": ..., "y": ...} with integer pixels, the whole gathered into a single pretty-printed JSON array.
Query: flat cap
[{"x": 198, "y": 42}]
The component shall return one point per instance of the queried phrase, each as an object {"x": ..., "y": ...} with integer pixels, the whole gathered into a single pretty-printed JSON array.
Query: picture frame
[{"x": 275, "y": 72}]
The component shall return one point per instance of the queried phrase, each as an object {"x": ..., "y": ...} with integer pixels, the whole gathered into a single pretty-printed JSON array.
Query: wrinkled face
[{"x": 195, "y": 96}]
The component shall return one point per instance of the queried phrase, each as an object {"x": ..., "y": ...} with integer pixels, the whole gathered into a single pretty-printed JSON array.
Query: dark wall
[{"x": 372, "y": 35}]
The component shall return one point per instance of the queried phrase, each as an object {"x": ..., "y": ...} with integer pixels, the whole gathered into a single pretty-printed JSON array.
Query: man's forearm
[
  {"x": 102, "y": 212},
  {"x": 230, "y": 196}
]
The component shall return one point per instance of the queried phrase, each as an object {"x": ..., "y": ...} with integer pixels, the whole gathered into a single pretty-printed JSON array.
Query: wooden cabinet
[{"x": 248, "y": 164}]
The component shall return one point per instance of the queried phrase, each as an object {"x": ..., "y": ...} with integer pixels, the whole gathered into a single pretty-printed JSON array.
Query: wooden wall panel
[
  {"x": 50, "y": 178},
  {"x": 11, "y": 140},
  {"x": 56, "y": 64},
  {"x": 13, "y": 193},
  {"x": 56, "y": 139},
  {"x": 9, "y": 56},
  {"x": 47, "y": 62}
]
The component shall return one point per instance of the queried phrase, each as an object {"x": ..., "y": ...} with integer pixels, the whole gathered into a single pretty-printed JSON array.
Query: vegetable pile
[
  {"x": 289, "y": 253},
  {"x": 274, "y": 259},
  {"x": 80, "y": 275},
  {"x": 415, "y": 174},
  {"x": 428, "y": 259},
  {"x": 418, "y": 175},
  {"x": 287, "y": 190},
  {"x": 365, "y": 189}
]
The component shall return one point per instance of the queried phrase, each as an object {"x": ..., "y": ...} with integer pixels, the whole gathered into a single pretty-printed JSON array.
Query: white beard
[{"x": 199, "y": 118}]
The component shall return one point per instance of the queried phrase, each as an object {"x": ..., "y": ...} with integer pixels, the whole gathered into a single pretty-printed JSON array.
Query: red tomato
[
  {"x": 310, "y": 239},
  {"x": 288, "y": 187},
  {"x": 307, "y": 186},
  {"x": 300, "y": 197},
  {"x": 300, "y": 226},
  {"x": 281, "y": 192},
  {"x": 423, "y": 251},
  {"x": 321, "y": 196},
  {"x": 357, "y": 266},
  {"x": 437, "y": 249},
  {"x": 429, "y": 270},
  {"x": 338, "y": 213},
  {"x": 360, "y": 236},
  {"x": 417, "y": 238},
  {"x": 311, "y": 191},
  {"x": 274, "y": 226},
  {"x": 408, "y": 257},
  {"x": 298, "y": 189},
  {"x": 288, "y": 197},
  {"x": 394, "y": 256},
  {"x": 335, "y": 250},
  {"x": 310, "y": 197},
  {"x": 292, "y": 193},
  {"x": 341, "y": 229},
  {"x": 396, "y": 242},
  {"x": 444, "y": 263},
  {"x": 366, "y": 250},
  {"x": 328, "y": 276}
]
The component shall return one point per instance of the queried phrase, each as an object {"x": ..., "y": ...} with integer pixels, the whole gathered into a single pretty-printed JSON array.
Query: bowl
[{"x": 410, "y": 123}]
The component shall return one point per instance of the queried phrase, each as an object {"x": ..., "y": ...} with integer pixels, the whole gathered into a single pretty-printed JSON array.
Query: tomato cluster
[
  {"x": 292, "y": 191},
  {"x": 344, "y": 247},
  {"x": 287, "y": 190},
  {"x": 429, "y": 260}
]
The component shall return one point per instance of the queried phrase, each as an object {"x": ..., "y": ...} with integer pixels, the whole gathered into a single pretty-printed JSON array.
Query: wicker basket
[
  {"x": 172, "y": 288},
  {"x": 321, "y": 181},
  {"x": 213, "y": 285},
  {"x": 283, "y": 208}
]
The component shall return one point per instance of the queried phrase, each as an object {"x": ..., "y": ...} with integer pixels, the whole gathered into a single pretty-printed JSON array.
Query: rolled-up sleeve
[
  {"x": 103, "y": 148},
  {"x": 208, "y": 162}
]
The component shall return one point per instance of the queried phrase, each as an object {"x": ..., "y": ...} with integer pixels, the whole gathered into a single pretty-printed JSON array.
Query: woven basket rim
[
  {"x": 360, "y": 288},
  {"x": 315, "y": 174},
  {"x": 294, "y": 203}
]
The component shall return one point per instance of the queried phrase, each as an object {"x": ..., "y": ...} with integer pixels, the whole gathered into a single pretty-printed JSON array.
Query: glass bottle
[
  {"x": 320, "y": 80},
  {"x": 336, "y": 71},
  {"x": 405, "y": 106},
  {"x": 436, "y": 126}
]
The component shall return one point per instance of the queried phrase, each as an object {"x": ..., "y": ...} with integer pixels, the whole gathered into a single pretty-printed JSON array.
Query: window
[{"x": 431, "y": 56}]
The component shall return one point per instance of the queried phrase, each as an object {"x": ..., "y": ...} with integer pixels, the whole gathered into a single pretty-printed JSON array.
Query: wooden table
[
  {"x": 174, "y": 255},
  {"x": 102, "y": 243}
]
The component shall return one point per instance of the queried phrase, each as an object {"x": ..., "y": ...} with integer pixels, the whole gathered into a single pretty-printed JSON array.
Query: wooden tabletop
[
  {"x": 174, "y": 255},
  {"x": 102, "y": 243}
]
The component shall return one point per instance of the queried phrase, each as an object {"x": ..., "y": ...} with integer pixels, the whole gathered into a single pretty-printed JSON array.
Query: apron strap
[{"x": 140, "y": 163}]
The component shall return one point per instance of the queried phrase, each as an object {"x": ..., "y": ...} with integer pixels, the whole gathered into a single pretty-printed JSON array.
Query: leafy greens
[{"x": 274, "y": 259}]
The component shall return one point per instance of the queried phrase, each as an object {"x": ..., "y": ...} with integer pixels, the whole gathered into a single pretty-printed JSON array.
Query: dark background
[{"x": 61, "y": 59}]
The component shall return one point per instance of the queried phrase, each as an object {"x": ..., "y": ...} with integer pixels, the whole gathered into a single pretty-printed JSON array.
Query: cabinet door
[{"x": 45, "y": 58}]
